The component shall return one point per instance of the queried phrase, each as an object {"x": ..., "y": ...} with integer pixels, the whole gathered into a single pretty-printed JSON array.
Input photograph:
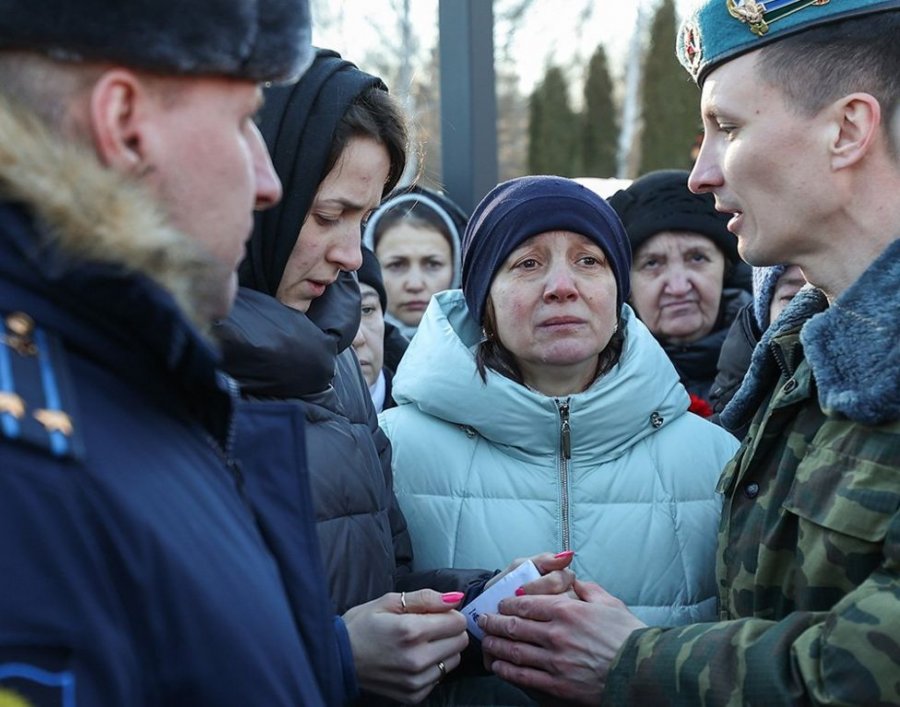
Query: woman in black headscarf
[{"x": 338, "y": 145}]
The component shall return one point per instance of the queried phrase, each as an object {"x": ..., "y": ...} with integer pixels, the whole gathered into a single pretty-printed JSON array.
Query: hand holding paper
[{"x": 488, "y": 601}]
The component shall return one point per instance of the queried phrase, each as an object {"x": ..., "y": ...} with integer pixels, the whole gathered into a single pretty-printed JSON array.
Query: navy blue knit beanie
[{"x": 516, "y": 210}]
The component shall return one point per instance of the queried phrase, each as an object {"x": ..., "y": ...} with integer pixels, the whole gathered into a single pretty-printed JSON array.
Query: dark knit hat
[
  {"x": 661, "y": 201},
  {"x": 369, "y": 273},
  {"x": 516, "y": 210},
  {"x": 264, "y": 40}
]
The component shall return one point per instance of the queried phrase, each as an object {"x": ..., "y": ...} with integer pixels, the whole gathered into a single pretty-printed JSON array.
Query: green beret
[{"x": 720, "y": 30}]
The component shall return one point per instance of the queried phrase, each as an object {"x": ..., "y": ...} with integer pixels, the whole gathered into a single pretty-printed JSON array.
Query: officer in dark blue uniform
[{"x": 132, "y": 570}]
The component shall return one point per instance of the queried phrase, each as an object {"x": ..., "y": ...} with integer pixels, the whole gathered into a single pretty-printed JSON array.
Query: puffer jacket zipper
[{"x": 565, "y": 454}]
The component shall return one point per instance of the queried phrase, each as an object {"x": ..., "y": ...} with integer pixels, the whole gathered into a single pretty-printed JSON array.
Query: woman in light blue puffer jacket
[{"x": 536, "y": 411}]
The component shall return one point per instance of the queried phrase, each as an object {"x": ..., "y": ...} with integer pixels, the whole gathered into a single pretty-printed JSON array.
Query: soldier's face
[
  {"x": 211, "y": 169},
  {"x": 766, "y": 164}
]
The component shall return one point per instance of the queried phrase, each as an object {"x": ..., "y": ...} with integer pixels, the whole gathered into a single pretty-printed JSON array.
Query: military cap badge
[
  {"x": 759, "y": 14},
  {"x": 693, "y": 52}
]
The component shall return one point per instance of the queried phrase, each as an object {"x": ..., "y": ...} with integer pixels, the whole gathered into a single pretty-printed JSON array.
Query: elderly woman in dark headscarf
[
  {"x": 684, "y": 261},
  {"x": 338, "y": 145}
]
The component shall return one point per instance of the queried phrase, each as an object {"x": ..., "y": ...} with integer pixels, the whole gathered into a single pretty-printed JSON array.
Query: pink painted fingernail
[
  {"x": 452, "y": 597},
  {"x": 561, "y": 555},
  {"x": 520, "y": 592}
]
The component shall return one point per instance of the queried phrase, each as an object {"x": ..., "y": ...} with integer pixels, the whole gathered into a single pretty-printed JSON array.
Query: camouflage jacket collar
[{"x": 851, "y": 347}]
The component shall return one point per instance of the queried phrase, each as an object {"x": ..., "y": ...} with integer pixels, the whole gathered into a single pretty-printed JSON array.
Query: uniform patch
[
  {"x": 27, "y": 685},
  {"x": 35, "y": 391},
  {"x": 693, "y": 51},
  {"x": 759, "y": 14}
]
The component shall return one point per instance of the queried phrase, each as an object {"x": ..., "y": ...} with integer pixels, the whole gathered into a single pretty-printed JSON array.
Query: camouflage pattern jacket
[{"x": 809, "y": 543}]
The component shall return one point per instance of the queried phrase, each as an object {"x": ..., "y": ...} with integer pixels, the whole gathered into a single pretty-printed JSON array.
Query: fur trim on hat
[{"x": 258, "y": 40}]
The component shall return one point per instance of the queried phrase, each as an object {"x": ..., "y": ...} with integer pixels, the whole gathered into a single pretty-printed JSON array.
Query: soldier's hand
[{"x": 557, "y": 645}]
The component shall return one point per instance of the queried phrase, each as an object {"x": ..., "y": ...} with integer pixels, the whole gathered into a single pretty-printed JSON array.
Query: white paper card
[{"x": 488, "y": 601}]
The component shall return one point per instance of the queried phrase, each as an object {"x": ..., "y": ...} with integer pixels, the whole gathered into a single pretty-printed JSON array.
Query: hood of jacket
[
  {"x": 448, "y": 211},
  {"x": 629, "y": 402},
  {"x": 852, "y": 347}
]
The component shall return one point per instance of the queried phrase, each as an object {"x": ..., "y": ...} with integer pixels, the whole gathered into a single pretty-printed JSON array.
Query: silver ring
[
  {"x": 443, "y": 669},
  {"x": 403, "y": 601}
]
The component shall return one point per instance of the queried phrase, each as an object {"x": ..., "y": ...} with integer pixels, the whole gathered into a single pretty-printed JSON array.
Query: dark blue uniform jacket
[{"x": 132, "y": 571}]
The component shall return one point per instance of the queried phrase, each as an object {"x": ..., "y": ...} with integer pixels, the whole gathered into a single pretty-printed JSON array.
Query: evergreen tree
[
  {"x": 512, "y": 126},
  {"x": 599, "y": 126},
  {"x": 553, "y": 128},
  {"x": 671, "y": 115},
  {"x": 535, "y": 130}
]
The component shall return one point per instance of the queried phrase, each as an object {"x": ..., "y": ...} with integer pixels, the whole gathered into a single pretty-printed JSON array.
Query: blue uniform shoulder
[{"x": 37, "y": 405}]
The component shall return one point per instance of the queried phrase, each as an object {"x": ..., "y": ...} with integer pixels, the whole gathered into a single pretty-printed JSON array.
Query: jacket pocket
[{"x": 843, "y": 493}]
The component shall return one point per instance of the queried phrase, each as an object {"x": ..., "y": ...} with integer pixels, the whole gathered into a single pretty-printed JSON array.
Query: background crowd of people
[{"x": 268, "y": 458}]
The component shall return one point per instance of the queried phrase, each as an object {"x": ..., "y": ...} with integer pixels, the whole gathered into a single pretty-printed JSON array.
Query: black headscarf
[{"x": 298, "y": 123}]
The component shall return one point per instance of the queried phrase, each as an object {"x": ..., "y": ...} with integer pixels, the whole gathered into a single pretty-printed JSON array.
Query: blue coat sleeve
[
  {"x": 270, "y": 446},
  {"x": 63, "y": 629}
]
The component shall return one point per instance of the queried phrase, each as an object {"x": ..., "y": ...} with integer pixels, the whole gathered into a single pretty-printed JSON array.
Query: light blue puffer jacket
[{"x": 482, "y": 477}]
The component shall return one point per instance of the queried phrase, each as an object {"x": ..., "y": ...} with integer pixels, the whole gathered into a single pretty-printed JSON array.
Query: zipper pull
[{"x": 565, "y": 432}]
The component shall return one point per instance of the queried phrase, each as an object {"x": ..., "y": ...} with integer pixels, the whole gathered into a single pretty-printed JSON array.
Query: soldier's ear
[
  {"x": 857, "y": 124},
  {"x": 119, "y": 116}
]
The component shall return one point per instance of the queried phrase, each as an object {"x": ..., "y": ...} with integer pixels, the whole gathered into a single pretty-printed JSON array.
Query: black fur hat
[{"x": 259, "y": 40}]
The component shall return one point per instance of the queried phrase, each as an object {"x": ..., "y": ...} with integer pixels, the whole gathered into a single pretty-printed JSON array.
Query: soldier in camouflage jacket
[
  {"x": 809, "y": 545},
  {"x": 808, "y": 564}
]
